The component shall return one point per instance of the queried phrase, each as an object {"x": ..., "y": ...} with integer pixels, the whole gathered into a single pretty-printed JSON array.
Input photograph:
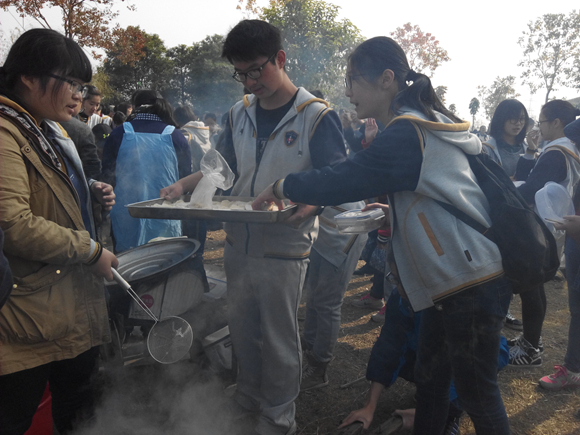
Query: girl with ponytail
[{"x": 446, "y": 270}]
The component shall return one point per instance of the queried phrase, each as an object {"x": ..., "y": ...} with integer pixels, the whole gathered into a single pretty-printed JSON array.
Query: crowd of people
[{"x": 68, "y": 162}]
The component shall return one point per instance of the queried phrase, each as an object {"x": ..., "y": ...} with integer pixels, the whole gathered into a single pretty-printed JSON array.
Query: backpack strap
[
  {"x": 465, "y": 218},
  {"x": 563, "y": 149}
]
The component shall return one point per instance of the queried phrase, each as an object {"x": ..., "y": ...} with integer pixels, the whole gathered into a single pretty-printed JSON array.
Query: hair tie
[{"x": 412, "y": 76}]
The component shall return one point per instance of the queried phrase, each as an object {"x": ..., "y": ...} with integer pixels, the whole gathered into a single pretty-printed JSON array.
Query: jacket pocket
[{"x": 40, "y": 314}]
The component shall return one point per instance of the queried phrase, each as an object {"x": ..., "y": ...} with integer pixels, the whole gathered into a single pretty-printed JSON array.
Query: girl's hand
[
  {"x": 385, "y": 208},
  {"x": 102, "y": 268},
  {"x": 371, "y": 130},
  {"x": 533, "y": 138},
  {"x": 364, "y": 415},
  {"x": 268, "y": 197}
]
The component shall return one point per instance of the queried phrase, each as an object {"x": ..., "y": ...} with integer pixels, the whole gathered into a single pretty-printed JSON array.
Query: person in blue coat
[{"x": 141, "y": 157}]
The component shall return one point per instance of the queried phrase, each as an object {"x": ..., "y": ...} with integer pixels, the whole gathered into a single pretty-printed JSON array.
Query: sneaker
[
  {"x": 525, "y": 355},
  {"x": 512, "y": 323},
  {"x": 516, "y": 342},
  {"x": 367, "y": 301},
  {"x": 367, "y": 269},
  {"x": 452, "y": 426},
  {"x": 562, "y": 378},
  {"x": 314, "y": 375},
  {"x": 380, "y": 316}
]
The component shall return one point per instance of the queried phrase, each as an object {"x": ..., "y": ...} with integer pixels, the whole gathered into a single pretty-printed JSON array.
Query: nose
[
  {"x": 347, "y": 92},
  {"x": 249, "y": 81}
]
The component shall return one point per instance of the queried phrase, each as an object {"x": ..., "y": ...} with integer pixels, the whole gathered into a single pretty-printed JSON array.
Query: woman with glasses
[
  {"x": 508, "y": 133},
  {"x": 557, "y": 161},
  {"x": 56, "y": 316},
  {"x": 444, "y": 268}
]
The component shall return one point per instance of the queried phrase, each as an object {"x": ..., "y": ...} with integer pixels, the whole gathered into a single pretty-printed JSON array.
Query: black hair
[
  {"x": 375, "y": 55},
  {"x": 251, "y": 39},
  {"x": 148, "y": 101},
  {"x": 123, "y": 107},
  {"x": 560, "y": 109},
  {"x": 317, "y": 94},
  {"x": 119, "y": 118},
  {"x": 210, "y": 115},
  {"x": 92, "y": 91},
  {"x": 506, "y": 110},
  {"x": 184, "y": 114},
  {"x": 39, "y": 52}
]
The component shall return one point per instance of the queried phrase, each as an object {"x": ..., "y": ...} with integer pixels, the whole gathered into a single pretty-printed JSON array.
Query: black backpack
[{"x": 527, "y": 247}]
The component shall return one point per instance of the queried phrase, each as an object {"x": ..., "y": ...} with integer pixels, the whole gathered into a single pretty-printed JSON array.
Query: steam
[{"x": 178, "y": 399}]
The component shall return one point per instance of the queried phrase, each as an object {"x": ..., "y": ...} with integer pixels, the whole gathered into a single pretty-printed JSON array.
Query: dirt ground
[
  {"x": 531, "y": 410},
  {"x": 133, "y": 403}
]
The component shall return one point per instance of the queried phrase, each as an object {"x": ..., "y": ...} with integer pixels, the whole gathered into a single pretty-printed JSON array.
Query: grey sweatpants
[
  {"x": 263, "y": 299},
  {"x": 325, "y": 286}
]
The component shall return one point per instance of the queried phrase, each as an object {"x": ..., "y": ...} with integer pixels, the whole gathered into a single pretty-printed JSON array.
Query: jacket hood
[
  {"x": 198, "y": 130},
  {"x": 456, "y": 134}
]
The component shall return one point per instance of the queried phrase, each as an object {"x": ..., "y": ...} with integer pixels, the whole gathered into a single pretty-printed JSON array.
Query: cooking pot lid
[{"x": 154, "y": 258}]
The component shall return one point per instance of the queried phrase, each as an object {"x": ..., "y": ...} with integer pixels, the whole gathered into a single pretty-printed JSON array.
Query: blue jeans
[
  {"x": 459, "y": 340},
  {"x": 572, "y": 251}
]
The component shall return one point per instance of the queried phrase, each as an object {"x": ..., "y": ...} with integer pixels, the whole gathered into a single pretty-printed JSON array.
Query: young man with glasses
[{"x": 277, "y": 130}]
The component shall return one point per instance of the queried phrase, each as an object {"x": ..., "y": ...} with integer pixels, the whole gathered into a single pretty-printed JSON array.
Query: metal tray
[{"x": 144, "y": 210}]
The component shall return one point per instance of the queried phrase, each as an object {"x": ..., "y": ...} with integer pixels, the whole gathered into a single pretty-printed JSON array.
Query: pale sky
[{"x": 480, "y": 37}]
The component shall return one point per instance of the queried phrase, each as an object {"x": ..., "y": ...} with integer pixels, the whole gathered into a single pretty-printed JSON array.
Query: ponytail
[
  {"x": 376, "y": 55},
  {"x": 562, "y": 110},
  {"x": 421, "y": 96}
]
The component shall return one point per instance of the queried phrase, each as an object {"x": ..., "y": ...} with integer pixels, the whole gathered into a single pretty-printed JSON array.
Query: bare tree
[
  {"x": 501, "y": 89},
  {"x": 551, "y": 47}
]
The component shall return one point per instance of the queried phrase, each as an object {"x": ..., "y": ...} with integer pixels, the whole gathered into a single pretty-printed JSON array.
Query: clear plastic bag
[{"x": 216, "y": 174}]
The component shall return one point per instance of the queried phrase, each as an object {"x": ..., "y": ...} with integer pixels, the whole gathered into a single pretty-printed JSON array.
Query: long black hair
[
  {"x": 375, "y": 55},
  {"x": 506, "y": 110},
  {"x": 39, "y": 52},
  {"x": 148, "y": 101}
]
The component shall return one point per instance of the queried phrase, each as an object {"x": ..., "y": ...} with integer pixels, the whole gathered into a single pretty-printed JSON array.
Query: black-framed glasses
[
  {"x": 545, "y": 120},
  {"x": 253, "y": 74},
  {"x": 74, "y": 85},
  {"x": 348, "y": 79},
  {"x": 518, "y": 120}
]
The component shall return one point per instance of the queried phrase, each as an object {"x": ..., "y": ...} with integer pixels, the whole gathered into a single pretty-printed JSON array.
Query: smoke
[{"x": 178, "y": 399}]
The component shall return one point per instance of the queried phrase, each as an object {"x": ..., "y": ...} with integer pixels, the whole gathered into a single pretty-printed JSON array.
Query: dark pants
[
  {"x": 72, "y": 393},
  {"x": 533, "y": 313},
  {"x": 460, "y": 339},
  {"x": 572, "y": 250}
]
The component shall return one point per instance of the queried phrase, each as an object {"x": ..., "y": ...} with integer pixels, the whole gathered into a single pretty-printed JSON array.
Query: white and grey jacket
[
  {"x": 437, "y": 254},
  {"x": 287, "y": 151}
]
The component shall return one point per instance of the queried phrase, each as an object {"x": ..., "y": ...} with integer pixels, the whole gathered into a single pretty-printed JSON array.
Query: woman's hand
[
  {"x": 104, "y": 194},
  {"x": 364, "y": 415},
  {"x": 102, "y": 268},
  {"x": 385, "y": 208},
  {"x": 371, "y": 130}
]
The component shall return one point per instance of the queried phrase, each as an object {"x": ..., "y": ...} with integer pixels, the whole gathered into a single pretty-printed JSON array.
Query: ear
[
  {"x": 387, "y": 79},
  {"x": 281, "y": 58},
  {"x": 29, "y": 82}
]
